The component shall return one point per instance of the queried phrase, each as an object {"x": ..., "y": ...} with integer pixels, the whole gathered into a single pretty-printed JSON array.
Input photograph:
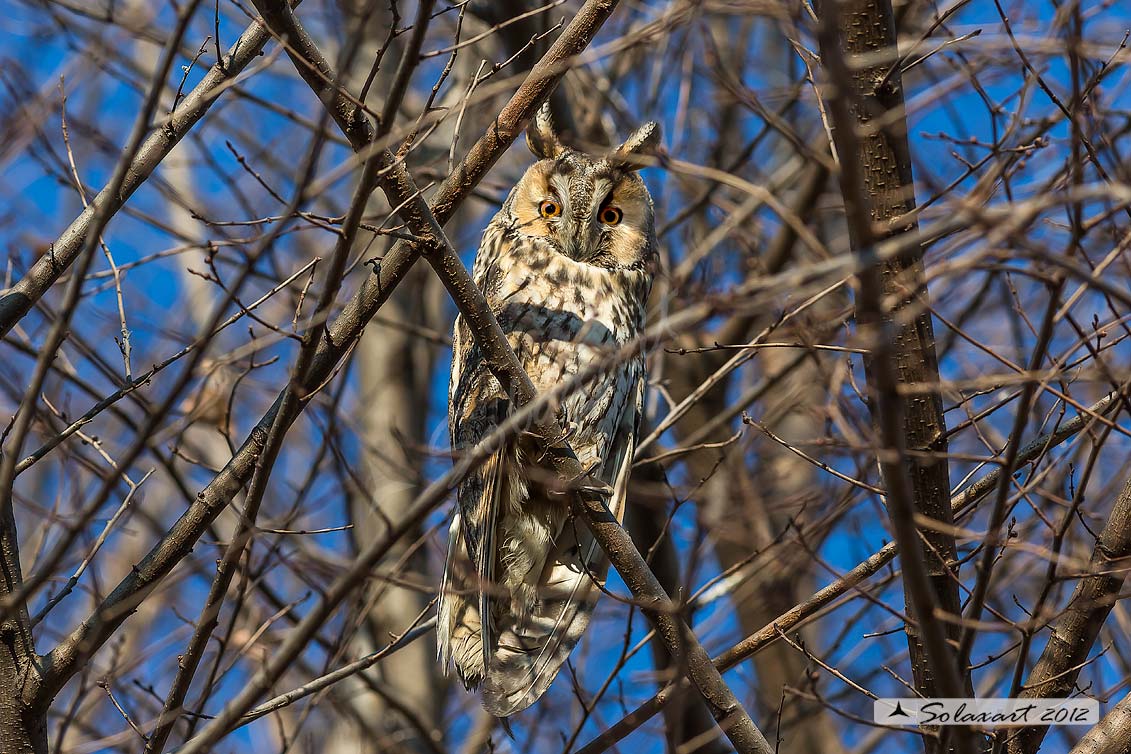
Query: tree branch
[
  {"x": 868, "y": 567},
  {"x": 1111, "y": 735},
  {"x": 870, "y": 132},
  {"x": 67, "y": 658},
  {"x": 18, "y": 300}
]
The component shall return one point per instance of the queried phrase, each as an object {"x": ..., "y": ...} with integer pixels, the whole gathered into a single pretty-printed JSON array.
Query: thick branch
[
  {"x": 1078, "y": 627},
  {"x": 66, "y": 659},
  {"x": 870, "y": 133}
]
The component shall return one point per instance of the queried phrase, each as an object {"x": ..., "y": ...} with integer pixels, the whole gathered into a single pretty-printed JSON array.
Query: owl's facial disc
[{"x": 591, "y": 211}]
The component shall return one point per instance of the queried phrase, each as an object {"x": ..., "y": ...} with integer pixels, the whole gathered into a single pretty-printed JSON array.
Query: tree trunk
[
  {"x": 22, "y": 729},
  {"x": 883, "y": 192},
  {"x": 23, "y": 723}
]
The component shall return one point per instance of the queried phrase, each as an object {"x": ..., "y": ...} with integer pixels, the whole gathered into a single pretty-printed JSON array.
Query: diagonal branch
[
  {"x": 68, "y": 657},
  {"x": 440, "y": 254},
  {"x": 1111, "y": 735}
]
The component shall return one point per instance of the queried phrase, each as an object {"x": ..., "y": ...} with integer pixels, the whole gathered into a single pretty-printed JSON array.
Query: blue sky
[{"x": 37, "y": 203}]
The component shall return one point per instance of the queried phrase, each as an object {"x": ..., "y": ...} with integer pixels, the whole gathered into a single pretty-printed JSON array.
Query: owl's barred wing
[
  {"x": 465, "y": 636},
  {"x": 457, "y": 622},
  {"x": 529, "y": 655},
  {"x": 493, "y": 490},
  {"x": 476, "y": 406}
]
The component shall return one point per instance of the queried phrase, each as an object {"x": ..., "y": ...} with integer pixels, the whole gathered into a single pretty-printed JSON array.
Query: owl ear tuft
[
  {"x": 541, "y": 137},
  {"x": 643, "y": 142}
]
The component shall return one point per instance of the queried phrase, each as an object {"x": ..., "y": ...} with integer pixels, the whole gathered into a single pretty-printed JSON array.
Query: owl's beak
[
  {"x": 582, "y": 241},
  {"x": 579, "y": 237},
  {"x": 568, "y": 241},
  {"x": 591, "y": 237}
]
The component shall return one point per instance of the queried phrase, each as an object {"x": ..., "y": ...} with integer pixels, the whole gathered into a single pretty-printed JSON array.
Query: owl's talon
[
  {"x": 536, "y": 439},
  {"x": 587, "y": 483},
  {"x": 569, "y": 431},
  {"x": 584, "y": 482},
  {"x": 532, "y": 436},
  {"x": 597, "y": 488}
]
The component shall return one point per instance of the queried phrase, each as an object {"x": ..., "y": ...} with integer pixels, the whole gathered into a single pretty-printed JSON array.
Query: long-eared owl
[{"x": 566, "y": 266}]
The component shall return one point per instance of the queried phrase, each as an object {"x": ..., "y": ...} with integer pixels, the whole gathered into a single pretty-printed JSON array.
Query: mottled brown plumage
[{"x": 566, "y": 266}]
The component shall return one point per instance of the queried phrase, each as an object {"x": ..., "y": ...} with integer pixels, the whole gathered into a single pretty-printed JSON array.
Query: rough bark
[
  {"x": 1111, "y": 735},
  {"x": 23, "y": 725},
  {"x": 22, "y": 730},
  {"x": 1075, "y": 630},
  {"x": 883, "y": 193}
]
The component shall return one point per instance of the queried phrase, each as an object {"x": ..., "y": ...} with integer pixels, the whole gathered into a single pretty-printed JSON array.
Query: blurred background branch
[{"x": 176, "y": 179}]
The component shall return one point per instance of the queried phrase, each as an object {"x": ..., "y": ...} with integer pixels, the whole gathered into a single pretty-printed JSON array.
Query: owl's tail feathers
[
  {"x": 529, "y": 654},
  {"x": 458, "y": 634}
]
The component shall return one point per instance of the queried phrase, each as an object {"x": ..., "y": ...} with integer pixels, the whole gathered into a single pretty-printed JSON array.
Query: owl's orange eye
[
  {"x": 550, "y": 208},
  {"x": 611, "y": 215}
]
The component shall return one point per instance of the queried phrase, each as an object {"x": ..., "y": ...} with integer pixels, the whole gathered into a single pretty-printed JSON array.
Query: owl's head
[{"x": 592, "y": 208}]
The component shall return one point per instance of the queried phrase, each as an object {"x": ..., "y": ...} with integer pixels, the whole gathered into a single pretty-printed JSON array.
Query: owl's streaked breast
[{"x": 561, "y": 316}]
